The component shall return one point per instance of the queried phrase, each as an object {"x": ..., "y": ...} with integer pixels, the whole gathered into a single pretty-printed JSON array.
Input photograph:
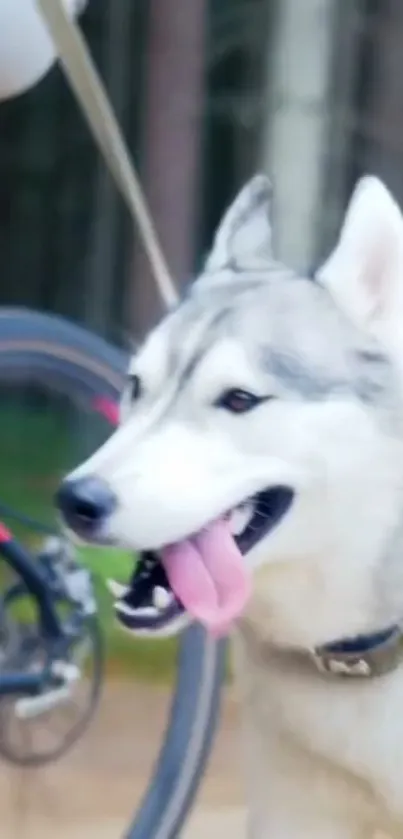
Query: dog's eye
[
  {"x": 134, "y": 388},
  {"x": 238, "y": 401}
]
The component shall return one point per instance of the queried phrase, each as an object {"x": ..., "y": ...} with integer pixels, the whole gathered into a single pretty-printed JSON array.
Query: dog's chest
[{"x": 350, "y": 733}]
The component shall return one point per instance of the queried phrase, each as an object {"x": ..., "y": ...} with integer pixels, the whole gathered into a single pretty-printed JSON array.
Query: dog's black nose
[{"x": 85, "y": 504}]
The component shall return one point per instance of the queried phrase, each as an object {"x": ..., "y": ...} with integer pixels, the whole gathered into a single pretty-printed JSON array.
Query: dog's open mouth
[{"x": 204, "y": 577}]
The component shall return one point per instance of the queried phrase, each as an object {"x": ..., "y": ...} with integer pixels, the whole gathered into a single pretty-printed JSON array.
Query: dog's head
[{"x": 260, "y": 447}]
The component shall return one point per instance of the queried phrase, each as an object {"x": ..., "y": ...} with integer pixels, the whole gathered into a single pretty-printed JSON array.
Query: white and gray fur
[{"x": 324, "y": 759}]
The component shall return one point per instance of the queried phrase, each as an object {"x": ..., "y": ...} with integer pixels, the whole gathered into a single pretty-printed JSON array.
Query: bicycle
[
  {"x": 43, "y": 660},
  {"x": 64, "y": 359}
]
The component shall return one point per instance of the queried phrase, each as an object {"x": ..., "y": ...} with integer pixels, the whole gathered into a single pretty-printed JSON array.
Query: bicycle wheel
[{"x": 65, "y": 359}]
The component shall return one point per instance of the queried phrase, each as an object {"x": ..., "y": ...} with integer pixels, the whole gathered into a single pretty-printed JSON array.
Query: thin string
[{"x": 91, "y": 94}]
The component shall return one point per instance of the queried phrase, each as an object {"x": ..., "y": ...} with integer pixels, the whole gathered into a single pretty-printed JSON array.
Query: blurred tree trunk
[
  {"x": 349, "y": 23},
  {"x": 382, "y": 128},
  {"x": 299, "y": 72},
  {"x": 173, "y": 106},
  {"x": 103, "y": 239}
]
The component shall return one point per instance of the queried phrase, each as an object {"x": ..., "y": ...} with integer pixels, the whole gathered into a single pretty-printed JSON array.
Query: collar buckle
[{"x": 349, "y": 667}]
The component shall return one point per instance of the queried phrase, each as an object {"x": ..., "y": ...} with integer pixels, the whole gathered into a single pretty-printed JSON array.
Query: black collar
[{"x": 363, "y": 656}]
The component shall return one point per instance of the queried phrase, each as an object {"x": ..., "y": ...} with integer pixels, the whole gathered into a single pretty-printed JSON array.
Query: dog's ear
[
  {"x": 243, "y": 238},
  {"x": 365, "y": 272}
]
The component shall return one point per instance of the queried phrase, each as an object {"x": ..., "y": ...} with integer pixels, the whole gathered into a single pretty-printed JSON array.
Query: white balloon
[{"x": 26, "y": 48}]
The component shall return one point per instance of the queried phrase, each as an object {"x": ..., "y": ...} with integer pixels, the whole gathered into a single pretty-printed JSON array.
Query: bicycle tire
[{"x": 32, "y": 342}]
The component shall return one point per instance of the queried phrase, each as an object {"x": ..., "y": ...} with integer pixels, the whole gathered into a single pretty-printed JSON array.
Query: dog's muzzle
[
  {"x": 86, "y": 505},
  {"x": 161, "y": 600}
]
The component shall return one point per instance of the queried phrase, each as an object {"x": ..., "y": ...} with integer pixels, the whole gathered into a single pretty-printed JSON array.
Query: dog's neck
[
  {"x": 351, "y": 582},
  {"x": 306, "y": 615},
  {"x": 362, "y": 657},
  {"x": 305, "y": 603}
]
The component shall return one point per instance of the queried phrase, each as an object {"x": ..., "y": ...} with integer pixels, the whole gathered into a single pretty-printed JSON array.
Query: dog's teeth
[
  {"x": 117, "y": 590},
  {"x": 161, "y": 598},
  {"x": 239, "y": 519},
  {"x": 142, "y": 612}
]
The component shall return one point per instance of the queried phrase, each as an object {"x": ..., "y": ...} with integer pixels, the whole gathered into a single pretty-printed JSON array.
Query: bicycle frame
[
  {"x": 34, "y": 580},
  {"x": 36, "y": 584}
]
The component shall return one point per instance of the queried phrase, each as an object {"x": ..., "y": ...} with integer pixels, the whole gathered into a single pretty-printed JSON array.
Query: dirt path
[{"x": 92, "y": 793}]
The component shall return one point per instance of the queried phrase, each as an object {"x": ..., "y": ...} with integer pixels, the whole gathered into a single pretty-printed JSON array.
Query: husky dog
[{"x": 259, "y": 468}]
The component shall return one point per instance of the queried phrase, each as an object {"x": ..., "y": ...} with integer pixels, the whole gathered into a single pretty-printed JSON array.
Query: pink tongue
[{"x": 208, "y": 575}]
